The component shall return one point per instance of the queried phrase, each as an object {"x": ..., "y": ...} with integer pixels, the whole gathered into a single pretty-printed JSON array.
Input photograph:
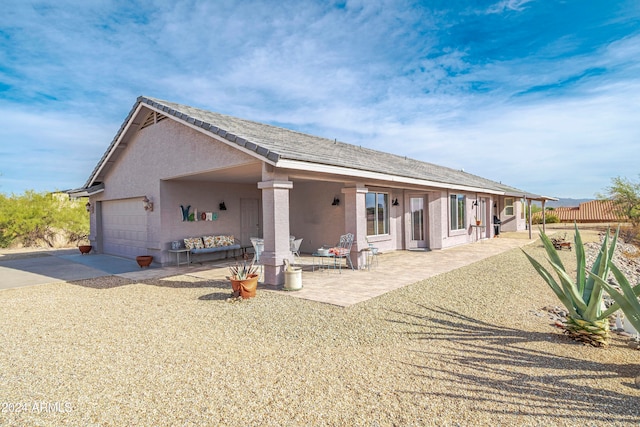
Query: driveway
[{"x": 40, "y": 267}]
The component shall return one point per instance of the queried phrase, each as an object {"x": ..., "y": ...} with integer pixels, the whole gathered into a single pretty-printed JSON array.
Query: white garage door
[{"x": 124, "y": 228}]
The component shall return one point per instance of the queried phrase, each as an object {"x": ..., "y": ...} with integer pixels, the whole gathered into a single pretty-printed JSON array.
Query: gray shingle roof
[{"x": 276, "y": 143}]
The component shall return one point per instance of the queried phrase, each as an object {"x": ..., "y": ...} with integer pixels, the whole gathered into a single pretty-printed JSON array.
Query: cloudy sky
[{"x": 542, "y": 95}]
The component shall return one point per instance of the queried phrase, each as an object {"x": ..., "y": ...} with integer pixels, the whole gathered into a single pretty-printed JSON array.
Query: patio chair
[
  {"x": 295, "y": 247},
  {"x": 343, "y": 250},
  {"x": 258, "y": 247}
]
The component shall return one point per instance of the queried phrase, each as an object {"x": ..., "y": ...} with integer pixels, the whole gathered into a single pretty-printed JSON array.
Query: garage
[{"x": 124, "y": 227}]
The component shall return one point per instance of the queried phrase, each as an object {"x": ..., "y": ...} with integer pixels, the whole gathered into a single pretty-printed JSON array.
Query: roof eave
[{"x": 364, "y": 174}]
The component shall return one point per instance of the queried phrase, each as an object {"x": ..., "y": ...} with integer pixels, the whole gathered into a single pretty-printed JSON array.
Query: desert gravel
[{"x": 473, "y": 347}]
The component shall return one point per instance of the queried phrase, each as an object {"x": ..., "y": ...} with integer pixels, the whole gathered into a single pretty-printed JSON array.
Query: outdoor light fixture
[
  {"x": 222, "y": 206},
  {"x": 495, "y": 205},
  {"x": 336, "y": 202},
  {"x": 475, "y": 203},
  {"x": 147, "y": 204},
  {"x": 395, "y": 202},
  {"x": 89, "y": 207}
]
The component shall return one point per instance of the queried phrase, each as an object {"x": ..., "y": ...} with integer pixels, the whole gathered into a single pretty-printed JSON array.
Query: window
[
  {"x": 457, "y": 211},
  {"x": 508, "y": 206},
  {"x": 377, "y": 213}
]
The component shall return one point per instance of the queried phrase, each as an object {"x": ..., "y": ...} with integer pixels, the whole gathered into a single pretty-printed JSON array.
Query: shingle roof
[
  {"x": 593, "y": 211},
  {"x": 275, "y": 143}
]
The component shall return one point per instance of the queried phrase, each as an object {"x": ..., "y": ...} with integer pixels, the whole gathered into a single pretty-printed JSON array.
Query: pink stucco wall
[{"x": 164, "y": 151}]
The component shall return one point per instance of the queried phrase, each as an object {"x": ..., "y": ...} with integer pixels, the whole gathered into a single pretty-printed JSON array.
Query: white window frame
[
  {"x": 376, "y": 213},
  {"x": 509, "y": 208},
  {"x": 455, "y": 222}
]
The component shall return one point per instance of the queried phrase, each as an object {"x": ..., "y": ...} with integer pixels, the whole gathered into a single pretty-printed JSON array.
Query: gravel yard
[{"x": 471, "y": 347}]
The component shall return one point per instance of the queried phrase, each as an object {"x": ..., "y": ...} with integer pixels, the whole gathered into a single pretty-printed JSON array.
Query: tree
[
  {"x": 626, "y": 196},
  {"x": 37, "y": 218}
]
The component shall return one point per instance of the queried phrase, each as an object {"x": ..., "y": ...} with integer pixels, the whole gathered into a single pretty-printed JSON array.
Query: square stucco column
[
  {"x": 355, "y": 221},
  {"x": 275, "y": 219}
]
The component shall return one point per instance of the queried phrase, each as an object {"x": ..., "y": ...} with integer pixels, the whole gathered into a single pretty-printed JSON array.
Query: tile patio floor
[{"x": 394, "y": 270}]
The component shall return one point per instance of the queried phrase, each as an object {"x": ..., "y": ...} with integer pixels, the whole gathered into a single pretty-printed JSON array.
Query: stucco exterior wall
[
  {"x": 162, "y": 151},
  {"x": 312, "y": 215}
]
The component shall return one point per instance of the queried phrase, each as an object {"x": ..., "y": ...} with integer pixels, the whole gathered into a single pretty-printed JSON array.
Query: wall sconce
[
  {"x": 89, "y": 207},
  {"x": 222, "y": 206},
  {"x": 336, "y": 202},
  {"x": 147, "y": 204},
  {"x": 474, "y": 204},
  {"x": 495, "y": 205},
  {"x": 395, "y": 202}
]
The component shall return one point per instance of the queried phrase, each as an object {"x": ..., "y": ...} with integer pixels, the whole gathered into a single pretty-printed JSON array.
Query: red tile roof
[{"x": 593, "y": 211}]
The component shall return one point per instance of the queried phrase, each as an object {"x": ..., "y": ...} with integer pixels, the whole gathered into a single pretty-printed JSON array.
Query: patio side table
[
  {"x": 178, "y": 252},
  {"x": 321, "y": 262}
]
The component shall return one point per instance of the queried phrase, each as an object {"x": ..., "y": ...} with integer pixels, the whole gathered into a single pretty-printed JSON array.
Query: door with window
[{"x": 418, "y": 222}]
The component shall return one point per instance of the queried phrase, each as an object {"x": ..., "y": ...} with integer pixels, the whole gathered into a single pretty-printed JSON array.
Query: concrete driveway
[{"x": 18, "y": 269}]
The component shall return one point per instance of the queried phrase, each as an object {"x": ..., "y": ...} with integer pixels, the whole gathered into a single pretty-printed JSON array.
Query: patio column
[
  {"x": 355, "y": 220},
  {"x": 275, "y": 218}
]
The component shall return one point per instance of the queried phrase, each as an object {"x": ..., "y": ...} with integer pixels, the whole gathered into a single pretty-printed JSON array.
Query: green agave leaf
[
  {"x": 564, "y": 299},
  {"x": 570, "y": 289},
  {"x": 628, "y": 300},
  {"x": 592, "y": 290},
  {"x": 580, "y": 261},
  {"x": 551, "y": 250}
]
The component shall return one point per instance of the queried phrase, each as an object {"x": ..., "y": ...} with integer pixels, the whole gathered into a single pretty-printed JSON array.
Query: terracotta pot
[
  {"x": 144, "y": 260},
  {"x": 85, "y": 249},
  {"x": 478, "y": 222},
  {"x": 245, "y": 288}
]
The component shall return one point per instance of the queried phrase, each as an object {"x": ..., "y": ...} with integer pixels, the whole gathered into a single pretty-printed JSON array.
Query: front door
[
  {"x": 249, "y": 220},
  {"x": 418, "y": 237}
]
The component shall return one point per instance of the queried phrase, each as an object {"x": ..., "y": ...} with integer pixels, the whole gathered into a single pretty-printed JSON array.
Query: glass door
[
  {"x": 418, "y": 239},
  {"x": 483, "y": 216}
]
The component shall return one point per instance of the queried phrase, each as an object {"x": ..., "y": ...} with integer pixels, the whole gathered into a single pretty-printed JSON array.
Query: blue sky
[{"x": 541, "y": 95}]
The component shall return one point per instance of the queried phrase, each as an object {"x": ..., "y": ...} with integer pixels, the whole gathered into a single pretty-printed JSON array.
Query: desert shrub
[
  {"x": 630, "y": 234},
  {"x": 549, "y": 219},
  {"x": 35, "y": 219}
]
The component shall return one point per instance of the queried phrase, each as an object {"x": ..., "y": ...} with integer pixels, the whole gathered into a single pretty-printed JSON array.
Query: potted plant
[
  {"x": 84, "y": 245},
  {"x": 244, "y": 280}
]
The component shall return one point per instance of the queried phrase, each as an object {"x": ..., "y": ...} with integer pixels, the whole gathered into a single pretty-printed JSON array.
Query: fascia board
[
  {"x": 339, "y": 170},
  {"x": 113, "y": 148}
]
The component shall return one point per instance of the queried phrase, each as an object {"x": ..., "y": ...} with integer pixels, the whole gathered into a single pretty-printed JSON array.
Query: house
[
  {"x": 594, "y": 211},
  {"x": 274, "y": 183}
]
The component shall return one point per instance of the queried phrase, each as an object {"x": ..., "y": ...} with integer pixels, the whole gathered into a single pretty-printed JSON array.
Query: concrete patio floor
[{"x": 394, "y": 270}]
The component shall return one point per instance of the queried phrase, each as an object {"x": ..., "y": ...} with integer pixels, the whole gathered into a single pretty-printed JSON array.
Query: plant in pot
[
  {"x": 244, "y": 280},
  {"x": 84, "y": 245}
]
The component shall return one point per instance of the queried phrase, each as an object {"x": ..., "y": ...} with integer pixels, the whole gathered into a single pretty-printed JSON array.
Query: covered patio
[{"x": 394, "y": 269}]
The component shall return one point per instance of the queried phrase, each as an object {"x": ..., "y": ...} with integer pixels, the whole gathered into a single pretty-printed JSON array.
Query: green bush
[
  {"x": 549, "y": 219},
  {"x": 35, "y": 219}
]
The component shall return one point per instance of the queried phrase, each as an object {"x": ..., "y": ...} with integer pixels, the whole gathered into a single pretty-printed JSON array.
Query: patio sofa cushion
[
  {"x": 193, "y": 243},
  {"x": 212, "y": 244}
]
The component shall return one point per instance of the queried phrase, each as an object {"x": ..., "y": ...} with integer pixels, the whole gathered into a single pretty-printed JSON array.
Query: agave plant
[
  {"x": 243, "y": 271},
  {"x": 627, "y": 300},
  {"x": 586, "y": 320}
]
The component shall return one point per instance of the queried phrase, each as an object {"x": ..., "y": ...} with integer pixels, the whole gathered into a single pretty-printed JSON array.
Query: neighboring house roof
[
  {"x": 287, "y": 148},
  {"x": 593, "y": 211}
]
